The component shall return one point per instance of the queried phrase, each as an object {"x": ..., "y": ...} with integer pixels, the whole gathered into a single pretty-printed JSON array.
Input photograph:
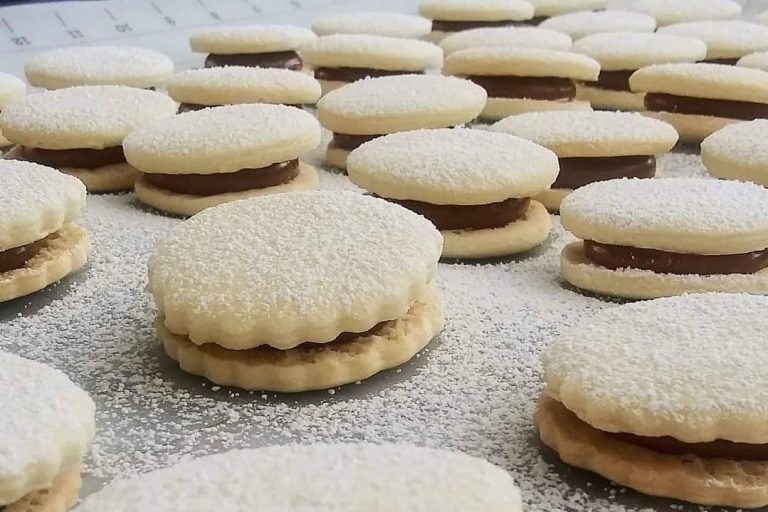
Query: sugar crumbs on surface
[{"x": 474, "y": 389}]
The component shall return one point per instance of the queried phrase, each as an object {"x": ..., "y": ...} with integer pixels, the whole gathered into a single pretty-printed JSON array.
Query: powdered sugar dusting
[
  {"x": 526, "y": 37},
  {"x": 675, "y": 11},
  {"x": 476, "y": 10},
  {"x": 630, "y": 50},
  {"x": 392, "y": 24},
  {"x": 725, "y": 38},
  {"x": 584, "y": 23},
  {"x": 249, "y": 39},
  {"x": 366, "y": 50},
  {"x": 11, "y": 88}
]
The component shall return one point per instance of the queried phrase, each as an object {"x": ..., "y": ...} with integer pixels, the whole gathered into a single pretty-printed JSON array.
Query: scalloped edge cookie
[
  {"x": 323, "y": 367},
  {"x": 61, "y": 496},
  {"x": 606, "y": 99}
]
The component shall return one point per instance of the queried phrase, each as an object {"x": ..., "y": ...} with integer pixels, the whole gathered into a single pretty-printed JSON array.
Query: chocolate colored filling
[
  {"x": 718, "y": 449},
  {"x": 190, "y": 107},
  {"x": 531, "y": 87},
  {"x": 613, "y": 80},
  {"x": 744, "y": 110},
  {"x": 618, "y": 256},
  {"x": 78, "y": 158},
  {"x": 354, "y": 74},
  {"x": 481, "y": 216},
  {"x": 222, "y": 183},
  {"x": 12, "y": 259},
  {"x": 576, "y": 172},
  {"x": 727, "y": 62},
  {"x": 350, "y": 142},
  {"x": 458, "y": 26},
  {"x": 285, "y": 60}
]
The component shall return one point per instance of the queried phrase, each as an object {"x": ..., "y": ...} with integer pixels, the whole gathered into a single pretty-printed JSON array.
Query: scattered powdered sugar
[
  {"x": 526, "y": 37},
  {"x": 521, "y": 61},
  {"x": 757, "y": 60},
  {"x": 724, "y": 38},
  {"x": 476, "y": 10},
  {"x": 584, "y": 23},
  {"x": 473, "y": 390},
  {"x": 392, "y": 24},
  {"x": 632, "y": 50},
  {"x": 366, "y": 50},
  {"x": 674, "y": 11},
  {"x": 249, "y": 39},
  {"x": 554, "y": 7},
  {"x": 11, "y": 88}
]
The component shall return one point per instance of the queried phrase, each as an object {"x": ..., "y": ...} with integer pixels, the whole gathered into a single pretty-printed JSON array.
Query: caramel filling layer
[
  {"x": 576, "y": 172},
  {"x": 743, "y": 110},
  {"x": 78, "y": 158},
  {"x": 727, "y": 62},
  {"x": 16, "y": 258},
  {"x": 343, "y": 74},
  {"x": 531, "y": 87},
  {"x": 465, "y": 217},
  {"x": 458, "y": 26},
  {"x": 222, "y": 183},
  {"x": 612, "y": 80},
  {"x": 350, "y": 142},
  {"x": 285, "y": 60},
  {"x": 191, "y": 107},
  {"x": 618, "y": 256}
]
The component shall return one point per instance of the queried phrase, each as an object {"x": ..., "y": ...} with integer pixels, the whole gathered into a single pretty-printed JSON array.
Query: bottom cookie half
[
  {"x": 61, "y": 496},
  {"x": 499, "y": 108},
  {"x": 606, "y": 99},
  {"x": 693, "y": 129}
]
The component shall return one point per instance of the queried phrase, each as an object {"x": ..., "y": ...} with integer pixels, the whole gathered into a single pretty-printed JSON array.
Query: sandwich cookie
[
  {"x": 263, "y": 46},
  {"x": 98, "y": 65},
  {"x": 294, "y": 292},
  {"x": 757, "y": 60},
  {"x": 473, "y": 185},
  {"x": 389, "y": 24},
  {"x": 449, "y": 16},
  {"x": 196, "y": 89},
  {"x": 216, "y": 155},
  {"x": 80, "y": 130},
  {"x": 11, "y": 89},
  {"x": 364, "y": 110},
  {"x": 318, "y": 477},
  {"x": 667, "y": 12},
  {"x": 643, "y": 239},
  {"x": 545, "y": 9},
  {"x": 698, "y": 99},
  {"x": 524, "y": 37},
  {"x": 340, "y": 59},
  {"x": 39, "y": 240},
  {"x": 520, "y": 80},
  {"x": 586, "y": 23},
  {"x": 47, "y": 428},
  {"x": 622, "y": 53},
  {"x": 727, "y": 40},
  {"x": 738, "y": 152},
  {"x": 593, "y": 146},
  {"x": 667, "y": 397}
]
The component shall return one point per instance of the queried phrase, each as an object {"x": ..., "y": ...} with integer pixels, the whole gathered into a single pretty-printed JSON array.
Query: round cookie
[
  {"x": 520, "y": 80},
  {"x": 547, "y": 8},
  {"x": 667, "y": 12},
  {"x": 700, "y": 98},
  {"x": 727, "y": 40},
  {"x": 592, "y": 146},
  {"x": 265, "y": 46},
  {"x": 757, "y": 60},
  {"x": 525, "y": 37},
  {"x": 340, "y": 59},
  {"x": 653, "y": 238},
  {"x": 80, "y": 130},
  {"x": 98, "y": 65},
  {"x": 324, "y": 477},
  {"x": 450, "y": 16},
  {"x": 12, "y": 88},
  {"x": 39, "y": 241},
  {"x": 318, "y": 290},
  {"x": 738, "y": 152},
  {"x": 46, "y": 432},
  {"x": 585, "y": 23},
  {"x": 622, "y": 53},
  {"x": 389, "y": 24},
  {"x": 638, "y": 395},
  {"x": 211, "y": 156},
  {"x": 364, "y": 110},
  {"x": 195, "y": 89},
  {"x": 474, "y": 185}
]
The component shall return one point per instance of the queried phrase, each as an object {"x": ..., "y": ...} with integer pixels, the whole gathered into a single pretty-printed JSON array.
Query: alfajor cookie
[
  {"x": 520, "y": 80},
  {"x": 39, "y": 240},
  {"x": 47, "y": 428},
  {"x": 364, "y": 110},
  {"x": 622, "y": 53},
  {"x": 340, "y": 59},
  {"x": 207, "y": 157},
  {"x": 450, "y": 16},
  {"x": 699, "y": 99},
  {"x": 475, "y": 186},
  {"x": 643, "y": 239},
  {"x": 727, "y": 40},
  {"x": 321, "y": 478},
  {"x": 524, "y": 37},
  {"x": 544, "y": 9},
  {"x": 667, "y": 397},
  {"x": 738, "y": 152},
  {"x": 389, "y": 24},
  {"x": 667, "y": 12},
  {"x": 757, "y": 60},
  {"x": 293, "y": 292},
  {"x": 592, "y": 146},
  {"x": 98, "y": 65},
  {"x": 12, "y": 88},
  {"x": 196, "y": 89},
  {"x": 585, "y": 23},
  {"x": 264, "y": 46},
  {"x": 80, "y": 130}
]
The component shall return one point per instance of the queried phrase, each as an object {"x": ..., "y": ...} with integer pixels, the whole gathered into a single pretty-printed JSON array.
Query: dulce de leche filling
[
  {"x": 618, "y": 256},
  {"x": 612, "y": 80},
  {"x": 350, "y": 142},
  {"x": 467, "y": 217},
  {"x": 284, "y": 60},
  {"x": 82, "y": 158},
  {"x": 743, "y": 110},
  {"x": 17, "y": 257},
  {"x": 222, "y": 183},
  {"x": 459, "y": 26},
  {"x": 530, "y": 87},
  {"x": 576, "y": 172},
  {"x": 345, "y": 74}
]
